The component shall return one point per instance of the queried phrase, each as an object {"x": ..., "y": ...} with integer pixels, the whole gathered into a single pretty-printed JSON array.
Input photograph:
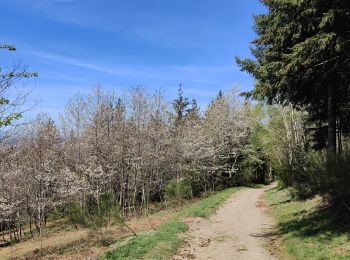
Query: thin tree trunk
[
  {"x": 339, "y": 136},
  {"x": 30, "y": 226},
  {"x": 332, "y": 123},
  {"x": 20, "y": 230}
]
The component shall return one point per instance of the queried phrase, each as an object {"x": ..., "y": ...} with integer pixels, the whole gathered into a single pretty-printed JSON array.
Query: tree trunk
[
  {"x": 339, "y": 137},
  {"x": 332, "y": 132},
  {"x": 30, "y": 226}
]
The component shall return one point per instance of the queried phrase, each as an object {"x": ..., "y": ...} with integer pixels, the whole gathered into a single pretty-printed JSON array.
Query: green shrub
[
  {"x": 171, "y": 189},
  {"x": 335, "y": 180},
  {"x": 100, "y": 214},
  {"x": 195, "y": 180},
  {"x": 77, "y": 214},
  {"x": 178, "y": 189},
  {"x": 307, "y": 174},
  {"x": 302, "y": 172},
  {"x": 310, "y": 174},
  {"x": 105, "y": 213},
  {"x": 56, "y": 214},
  {"x": 244, "y": 177},
  {"x": 252, "y": 167},
  {"x": 184, "y": 189}
]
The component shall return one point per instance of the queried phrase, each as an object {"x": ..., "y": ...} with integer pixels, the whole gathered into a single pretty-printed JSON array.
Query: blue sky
[{"x": 74, "y": 44}]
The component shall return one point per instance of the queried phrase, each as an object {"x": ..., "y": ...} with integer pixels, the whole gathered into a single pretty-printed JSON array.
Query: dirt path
[{"x": 239, "y": 230}]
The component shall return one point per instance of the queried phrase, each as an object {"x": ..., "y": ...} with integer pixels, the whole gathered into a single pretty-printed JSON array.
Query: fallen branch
[
  {"x": 151, "y": 224},
  {"x": 133, "y": 231}
]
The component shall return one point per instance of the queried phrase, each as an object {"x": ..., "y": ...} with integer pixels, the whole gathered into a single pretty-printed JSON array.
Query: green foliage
[
  {"x": 245, "y": 175},
  {"x": 296, "y": 46},
  {"x": 77, "y": 214},
  {"x": 301, "y": 58},
  {"x": 310, "y": 174},
  {"x": 302, "y": 173},
  {"x": 171, "y": 189},
  {"x": 102, "y": 214},
  {"x": 7, "y": 120},
  {"x": 335, "y": 180},
  {"x": 194, "y": 110},
  {"x": 56, "y": 214},
  {"x": 7, "y": 79},
  {"x": 255, "y": 163},
  {"x": 180, "y": 106},
  {"x": 178, "y": 190},
  {"x": 195, "y": 179},
  {"x": 253, "y": 167}
]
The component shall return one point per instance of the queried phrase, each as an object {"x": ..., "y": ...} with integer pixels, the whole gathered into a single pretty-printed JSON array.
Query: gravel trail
[{"x": 240, "y": 229}]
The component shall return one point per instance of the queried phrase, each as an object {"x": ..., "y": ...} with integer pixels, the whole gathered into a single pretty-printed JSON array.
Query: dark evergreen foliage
[{"x": 302, "y": 57}]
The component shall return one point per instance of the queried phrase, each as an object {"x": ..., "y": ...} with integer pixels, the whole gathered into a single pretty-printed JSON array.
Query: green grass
[
  {"x": 163, "y": 243},
  {"x": 205, "y": 207},
  {"x": 309, "y": 231},
  {"x": 151, "y": 245}
]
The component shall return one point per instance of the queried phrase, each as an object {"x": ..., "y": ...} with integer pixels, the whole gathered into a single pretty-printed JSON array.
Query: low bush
[
  {"x": 310, "y": 174},
  {"x": 102, "y": 214},
  {"x": 335, "y": 181},
  {"x": 178, "y": 190},
  {"x": 77, "y": 214}
]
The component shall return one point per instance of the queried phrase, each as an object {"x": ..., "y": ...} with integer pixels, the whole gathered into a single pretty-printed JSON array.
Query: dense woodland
[
  {"x": 302, "y": 60},
  {"x": 115, "y": 154},
  {"x": 110, "y": 156}
]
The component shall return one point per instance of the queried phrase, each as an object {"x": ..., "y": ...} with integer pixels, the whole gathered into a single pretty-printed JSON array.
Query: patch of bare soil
[{"x": 241, "y": 229}]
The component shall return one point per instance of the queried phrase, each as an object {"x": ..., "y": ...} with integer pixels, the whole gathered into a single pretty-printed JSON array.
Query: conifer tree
[
  {"x": 180, "y": 106},
  {"x": 302, "y": 58}
]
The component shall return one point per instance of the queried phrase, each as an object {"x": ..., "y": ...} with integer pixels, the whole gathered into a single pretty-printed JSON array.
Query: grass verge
[
  {"x": 162, "y": 243},
  {"x": 308, "y": 230}
]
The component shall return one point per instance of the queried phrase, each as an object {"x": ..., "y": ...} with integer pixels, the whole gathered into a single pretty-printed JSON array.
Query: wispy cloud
[
  {"x": 193, "y": 73},
  {"x": 176, "y": 29},
  {"x": 206, "y": 69},
  {"x": 80, "y": 63},
  {"x": 63, "y": 76}
]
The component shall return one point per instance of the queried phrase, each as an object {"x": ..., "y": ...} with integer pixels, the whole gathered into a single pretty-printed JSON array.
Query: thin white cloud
[
  {"x": 62, "y": 76},
  {"x": 176, "y": 30},
  {"x": 210, "y": 69},
  {"x": 80, "y": 63},
  {"x": 192, "y": 73}
]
